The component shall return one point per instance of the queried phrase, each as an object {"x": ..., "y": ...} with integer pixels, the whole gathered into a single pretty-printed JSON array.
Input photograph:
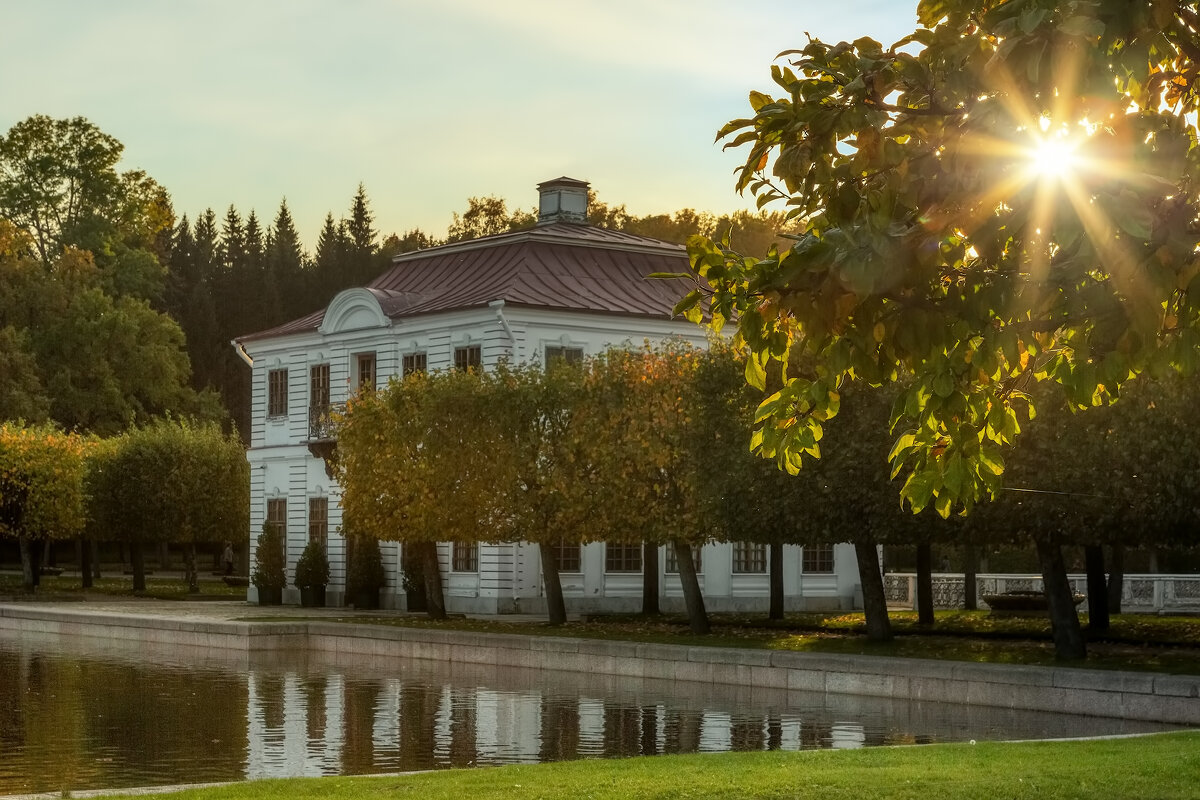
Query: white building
[{"x": 561, "y": 289}]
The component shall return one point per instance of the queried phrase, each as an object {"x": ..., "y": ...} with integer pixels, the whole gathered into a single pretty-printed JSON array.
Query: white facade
[{"x": 508, "y": 578}]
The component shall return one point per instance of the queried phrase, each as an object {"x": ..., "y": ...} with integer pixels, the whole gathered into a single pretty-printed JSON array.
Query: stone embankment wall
[{"x": 1130, "y": 695}]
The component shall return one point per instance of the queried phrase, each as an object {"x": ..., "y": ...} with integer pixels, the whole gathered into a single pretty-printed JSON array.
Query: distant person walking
[{"x": 227, "y": 559}]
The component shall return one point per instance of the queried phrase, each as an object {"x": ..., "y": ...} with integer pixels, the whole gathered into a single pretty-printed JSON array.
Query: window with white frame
[
  {"x": 318, "y": 390},
  {"x": 414, "y": 363},
  {"x": 464, "y": 557},
  {"x": 277, "y": 519},
  {"x": 622, "y": 557},
  {"x": 318, "y": 519},
  {"x": 277, "y": 393},
  {"x": 365, "y": 364},
  {"x": 671, "y": 562},
  {"x": 817, "y": 558},
  {"x": 749, "y": 558},
  {"x": 468, "y": 357},
  {"x": 561, "y": 354},
  {"x": 569, "y": 556}
]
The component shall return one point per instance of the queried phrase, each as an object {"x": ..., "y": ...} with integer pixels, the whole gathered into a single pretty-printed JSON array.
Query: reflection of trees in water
[
  {"x": 418, "y": 721},
  {"x": 314, "y": 689},
  {"x": 559, "y": 733},
  {"x": 649, "y": 743},
  {"x": 12, "y": 690},
  {"x": 74, "y": 723},
  {"x": 269, "y": 688},
  {"x": 622, "y": 730},
  {"x": 683, "y": 730},
  {"x": 747, "y": 734},
  {"x": 463, "y": 727},
  {"x": 358, "y": 748}
]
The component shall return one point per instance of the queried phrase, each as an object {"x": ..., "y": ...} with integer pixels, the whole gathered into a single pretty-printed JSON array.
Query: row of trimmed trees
[
  {"x": 645, "y": 446},
  {"x": 650, "y": 446},
  {"x": 166, "y": 482}
]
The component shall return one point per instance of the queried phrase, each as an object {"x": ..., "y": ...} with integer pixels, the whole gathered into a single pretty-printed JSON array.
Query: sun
[{"x": 1053, "y": 158}]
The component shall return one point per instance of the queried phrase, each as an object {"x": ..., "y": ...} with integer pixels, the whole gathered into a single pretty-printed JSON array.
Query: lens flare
[{"x": 1053, "y": 159}]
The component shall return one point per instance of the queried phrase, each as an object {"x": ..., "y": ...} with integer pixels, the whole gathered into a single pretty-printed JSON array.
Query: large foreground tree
[{"x": 1007, "y": 195}]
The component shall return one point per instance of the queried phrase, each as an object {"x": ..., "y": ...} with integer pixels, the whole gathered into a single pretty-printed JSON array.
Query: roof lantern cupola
[{"x": 562, "y": 200}]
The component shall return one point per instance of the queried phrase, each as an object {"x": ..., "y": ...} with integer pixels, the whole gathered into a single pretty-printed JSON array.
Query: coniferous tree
[{"x": 285, "y": 265}]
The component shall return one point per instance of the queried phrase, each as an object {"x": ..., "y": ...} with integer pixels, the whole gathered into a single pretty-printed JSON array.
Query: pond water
[{"x": 82, "y": 714}]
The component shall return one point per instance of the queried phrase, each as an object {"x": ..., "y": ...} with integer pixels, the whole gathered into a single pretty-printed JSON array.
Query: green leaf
[
  {"x": 1079, "y": 25},
  {"x": 931, "y": 12},
  {"x": 669, "y": 275},
  {"x": 756, "y": 375},
  {"x": 690, "y": 301}
]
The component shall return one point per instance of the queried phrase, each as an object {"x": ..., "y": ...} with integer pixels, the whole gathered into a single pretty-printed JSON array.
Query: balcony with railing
[
  {"x": 322, "y": 421},
  {"x": 322, "y": 433}
]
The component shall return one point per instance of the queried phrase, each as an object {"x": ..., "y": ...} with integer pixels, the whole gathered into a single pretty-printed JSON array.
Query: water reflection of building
[{"x": 309, "y": 726}]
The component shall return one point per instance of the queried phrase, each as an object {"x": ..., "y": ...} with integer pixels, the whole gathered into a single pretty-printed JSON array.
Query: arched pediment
[{"x": 352, "y": 310}]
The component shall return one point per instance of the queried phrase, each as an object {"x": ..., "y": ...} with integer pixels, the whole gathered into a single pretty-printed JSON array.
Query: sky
[{"x": 424, "y": 102}]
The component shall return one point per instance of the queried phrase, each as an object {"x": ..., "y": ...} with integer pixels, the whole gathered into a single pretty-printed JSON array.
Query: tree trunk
[
  {"x": 970, "y": 583},
  {"x": 925, "y": 584},
  {"x": 85, "y": 563},
  {"x": 95, "y": 559},
  {"x": 879, "y": 626},
  {"x": 189, "y": 567},
  {"x": 1097, "y": 588},
  {"x": 435, "y": 601},
  {"x": 137, "y": 560},
  {"x": 1116, "y": 579},
  {"x": 692, "y": 597},
  {"x": 650, "y": 579},
  {"x": 776, "y": 579},
  {"x": 556, "y": 606},
  {"x": 164, "y": 556},
  {"x": 1064, "y": 621},
  {"x": 47, "y": 554},
  {"x": 28, "y": 584}
]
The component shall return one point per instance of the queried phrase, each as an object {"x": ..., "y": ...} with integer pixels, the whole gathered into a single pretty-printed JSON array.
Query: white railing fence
[{"x": 1139, "y": 593}]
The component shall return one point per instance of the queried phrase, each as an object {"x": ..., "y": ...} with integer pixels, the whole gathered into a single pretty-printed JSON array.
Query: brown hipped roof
[{"x": 559, "y": 266}]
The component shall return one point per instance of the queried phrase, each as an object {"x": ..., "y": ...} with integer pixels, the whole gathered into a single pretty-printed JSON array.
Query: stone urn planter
[
  {"x": 312, "y": 596},
  {"x": 270, "y": 596}
]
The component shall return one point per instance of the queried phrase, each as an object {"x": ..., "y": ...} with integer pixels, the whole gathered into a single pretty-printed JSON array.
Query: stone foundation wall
[{"x": 1130, "y": 695}]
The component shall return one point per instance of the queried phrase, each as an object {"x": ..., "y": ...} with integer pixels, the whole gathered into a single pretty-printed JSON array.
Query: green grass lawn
[
  {"x": 166, "y": 588},
  {"x": 1162, "y": 767}
]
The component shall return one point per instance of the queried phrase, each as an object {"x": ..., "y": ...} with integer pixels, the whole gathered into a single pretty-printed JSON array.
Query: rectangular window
[
  {"x": 818, "y": 558},
  {"x": 464, "y": 557},
  {"x": 569, "y": 556},
  {"x": 366, "y": 371},
  {"x": 415, "y": 362},
  {"x": 277, "y": 393},
  {"x": 749, "y": 558},
  {"x": 277, "y": 517},
  {"x": 318, "y": 519},
  {"x": 671, "y": 563},
  {"x": 318, "y": 387},
  {"x": 622, "y": 557},
  {"x": 567, "y": 355},
  {"x": 469, "y": 357}
]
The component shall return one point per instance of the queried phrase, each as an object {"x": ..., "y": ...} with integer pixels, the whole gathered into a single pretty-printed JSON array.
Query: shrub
[
  {"x": 269, "y": 559},
  {"x": 312, "y": 569}
]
